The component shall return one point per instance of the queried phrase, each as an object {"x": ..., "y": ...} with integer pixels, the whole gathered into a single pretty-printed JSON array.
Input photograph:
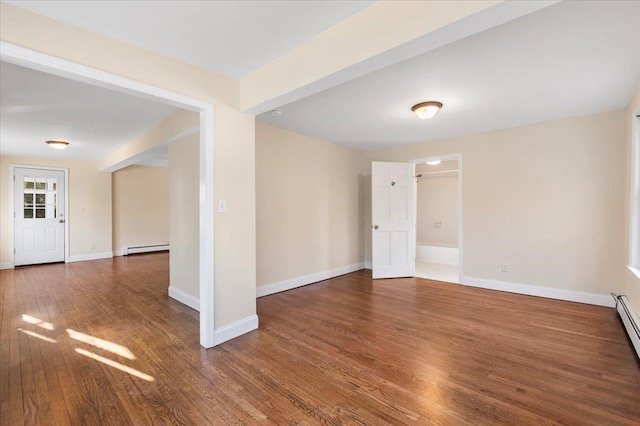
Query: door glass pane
[
  {"x": 28, "y": 213},
  {"x": 28, "y": 200},
  {"x": 28, "y": 182},
  {"x": 40, "y": 213},
  {"x": 41, "y": 185},
  {"x": 40, "y": 198}
]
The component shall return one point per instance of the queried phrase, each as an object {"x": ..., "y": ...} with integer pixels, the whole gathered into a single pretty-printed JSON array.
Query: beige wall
[
  {"x": 235, "y": 249},
  {"x": 547, "y": 199},
  {"x": 184, "y": 225},
  {"x": 632, "y": 281},
  {"x": 140, "y": 206},
  {"x": 308, "y": 205},
  {"x": 89, "y": 215},
  {"x": 437, "y": 201}
]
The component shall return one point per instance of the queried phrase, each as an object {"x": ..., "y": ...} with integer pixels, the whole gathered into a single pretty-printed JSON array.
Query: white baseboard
[
  {"x": 6, "y": 266},
  {"x": 184, "y": 298},
  {"x": 368, "y": 265},
  {"x": 92, "y": 256},
  {"x": 550, "y": 293},
  {"x": 236, "y": 329},
  {"x": 268, "y": 289}
]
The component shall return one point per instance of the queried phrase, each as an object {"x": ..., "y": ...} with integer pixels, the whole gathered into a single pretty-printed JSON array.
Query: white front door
[
  {"x": 39, "y": 216},
  {"x": 393, "y": 217}
]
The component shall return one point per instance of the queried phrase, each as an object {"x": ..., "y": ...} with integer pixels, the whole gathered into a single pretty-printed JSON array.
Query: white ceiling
[
  {"x": 230, "y": 37},
  {"x": 35, "y": 106},
  {"x": 570, "y": 59}
]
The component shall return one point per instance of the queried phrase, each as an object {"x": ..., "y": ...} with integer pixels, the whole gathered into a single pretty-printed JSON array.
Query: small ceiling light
[
  {"x": 58, "y": 144},
  {"x": 427, "y": 110},
  {"x": 433, "y": 163},
  {"x": 276, "y": 112}
]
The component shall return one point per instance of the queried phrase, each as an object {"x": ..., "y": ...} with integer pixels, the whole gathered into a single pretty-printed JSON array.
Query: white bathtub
[{"x": 436, "y": 254}]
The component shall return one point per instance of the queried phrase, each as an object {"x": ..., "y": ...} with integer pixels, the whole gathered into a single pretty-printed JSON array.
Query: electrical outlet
[
  {"x": 93, "y": 246},
  {"x": 504, "y": 267}
]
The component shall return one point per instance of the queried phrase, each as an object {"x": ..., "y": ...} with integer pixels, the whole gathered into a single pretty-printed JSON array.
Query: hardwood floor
[{"x": 345, "y": 351}]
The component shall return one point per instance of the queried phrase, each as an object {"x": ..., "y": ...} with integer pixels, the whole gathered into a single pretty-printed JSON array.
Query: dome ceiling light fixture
[
  {"x": 58, "y": 144},
  {"x": 427, "y": 110}
]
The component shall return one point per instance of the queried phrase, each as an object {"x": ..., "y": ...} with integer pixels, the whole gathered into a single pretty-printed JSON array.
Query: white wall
[
  {"x": 140, "y": 206},
  {"x": 547, "y": 199},
  {"x": 89, "y": 217},
  {"x": 184, "y": 181},
  {"x": 308, "y": 206}
]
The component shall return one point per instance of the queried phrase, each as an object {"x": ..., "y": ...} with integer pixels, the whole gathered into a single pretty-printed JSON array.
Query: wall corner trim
[
  {"x": 184, "y": 298},
  {"x": 534, "y": 290},
  {"x": 6, "y": 265},
  {"x": 236, "y": 329},
  {"x": 368, "y": 265},
  {"x": 292, "y": 283},
  {"x": 92, "y": 256}
]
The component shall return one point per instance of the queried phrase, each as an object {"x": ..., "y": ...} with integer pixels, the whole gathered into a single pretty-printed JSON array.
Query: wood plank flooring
[{"x": 100, "y": 342}]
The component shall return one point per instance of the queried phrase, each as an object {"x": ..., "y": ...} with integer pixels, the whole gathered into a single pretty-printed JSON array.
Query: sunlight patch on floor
[
  {"x": 38, "y": 322},
  {"x": 102, "y": 344},
  {"x": 39, "y": 336},
  {"x": 117, "y": 365}
]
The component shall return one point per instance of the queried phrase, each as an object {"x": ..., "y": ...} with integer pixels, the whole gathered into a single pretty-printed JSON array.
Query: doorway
[
  {"x": 31, "y": 59},
  {"x": 439, "y": 219},
  {"x": 39, "y": 207}
]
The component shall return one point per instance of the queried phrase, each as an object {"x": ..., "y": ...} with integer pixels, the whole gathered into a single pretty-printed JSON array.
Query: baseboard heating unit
[
  {"x": 630, "y": 320},
  {"x": 144, "y": 249}
]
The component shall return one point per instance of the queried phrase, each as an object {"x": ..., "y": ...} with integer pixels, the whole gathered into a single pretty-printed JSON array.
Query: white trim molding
[
  {"x": 534, "y": 290},
  {"x": 236, "y": 329},
  {"x": 92, "y": 256},
  {"x": 292, "y": 283},
  {"x": 6, "y": 265},
  {"x": 184, "y": 298},
  {"x": 368, "y": 265}
]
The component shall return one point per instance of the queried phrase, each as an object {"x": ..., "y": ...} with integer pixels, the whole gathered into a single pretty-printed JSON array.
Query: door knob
[
  {"x": 61, "y": 221},
  {"x": 375, "y": 227}
]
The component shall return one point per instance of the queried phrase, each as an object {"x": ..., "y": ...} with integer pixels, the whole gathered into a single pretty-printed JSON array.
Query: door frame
[
  {"x": 28, "y": 58},
  {"x": 450, "y": 157},
  {"x": 12, "y": 194}
]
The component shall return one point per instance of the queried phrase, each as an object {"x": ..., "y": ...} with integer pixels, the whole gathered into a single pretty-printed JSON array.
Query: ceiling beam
[{"x": 379, "y": 36}]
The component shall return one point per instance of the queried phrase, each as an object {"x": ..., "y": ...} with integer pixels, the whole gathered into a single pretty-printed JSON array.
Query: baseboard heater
[
  {"x": 630, "y": 320},
  {"x": 144, "y": 249}
]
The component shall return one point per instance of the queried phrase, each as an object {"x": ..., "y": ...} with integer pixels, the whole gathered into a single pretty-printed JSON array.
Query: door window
[{"x": 40, "y": 197}]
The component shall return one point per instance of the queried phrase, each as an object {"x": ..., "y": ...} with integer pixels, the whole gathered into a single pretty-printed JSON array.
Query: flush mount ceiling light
[
  {"x": 58, "y": 144},
  {"x": 427, "y": 110},
  {"x": 276, "y": 112},
  {"x": 433, "y": 163}
]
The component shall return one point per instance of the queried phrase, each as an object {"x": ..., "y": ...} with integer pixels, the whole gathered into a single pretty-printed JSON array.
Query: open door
[{"x": 393, "y": 213}]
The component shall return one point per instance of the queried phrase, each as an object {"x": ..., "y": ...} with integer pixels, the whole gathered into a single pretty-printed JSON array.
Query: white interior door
[
  {"x": 39, "y": 216},
  {"x": 393, "y": 217}
]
